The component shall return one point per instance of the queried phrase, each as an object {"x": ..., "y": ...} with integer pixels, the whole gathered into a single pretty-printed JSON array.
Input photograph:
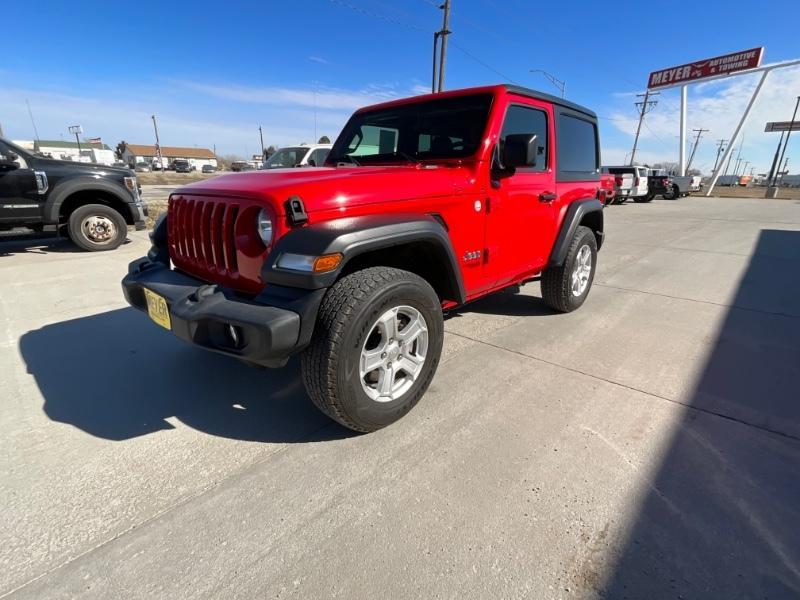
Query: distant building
[
  {"x": 62, "y": 150},
  {"x": 24, "y": 144},
  {"x": 136, "y": 153}
]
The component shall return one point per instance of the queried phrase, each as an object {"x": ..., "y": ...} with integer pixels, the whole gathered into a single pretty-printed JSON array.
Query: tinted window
[
  {"x": 577, "y": 145},
  {"x": 318, "y": 156},
  {"x": 446, "y": 128},
  {"x": 286, "y": 157},
  {"x": 522, "y": 119}
]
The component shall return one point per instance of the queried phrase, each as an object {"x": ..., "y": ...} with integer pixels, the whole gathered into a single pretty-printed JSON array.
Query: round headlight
[{"x": 264, "y": 226}]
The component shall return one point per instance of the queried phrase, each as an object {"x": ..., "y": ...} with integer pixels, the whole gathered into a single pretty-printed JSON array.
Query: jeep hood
[{"x": 338, "y": 188}]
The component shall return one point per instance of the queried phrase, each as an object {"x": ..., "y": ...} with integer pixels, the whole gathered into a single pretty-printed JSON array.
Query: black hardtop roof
[{"x": 523, "y": 91}]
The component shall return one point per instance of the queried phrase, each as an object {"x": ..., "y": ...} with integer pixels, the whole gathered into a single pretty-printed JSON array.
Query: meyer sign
[
  {"x": 782, "y": 126},
  {"x": 720, "y": 65}
]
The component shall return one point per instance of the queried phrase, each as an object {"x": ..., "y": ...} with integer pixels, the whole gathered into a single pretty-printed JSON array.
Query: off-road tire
[
  {"x": 556, "y": 281},
  {"x": 330, "y": 365},
  {"x": 79, "y": 237}
]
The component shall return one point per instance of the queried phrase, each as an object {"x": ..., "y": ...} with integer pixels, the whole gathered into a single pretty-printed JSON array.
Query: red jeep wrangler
[{"x": 423, "y": 204}]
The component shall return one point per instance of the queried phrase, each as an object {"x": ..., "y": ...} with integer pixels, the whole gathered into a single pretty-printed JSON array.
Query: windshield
[
  {"x": 435, "y": 129},
  {"x": 286, "y": 157}
]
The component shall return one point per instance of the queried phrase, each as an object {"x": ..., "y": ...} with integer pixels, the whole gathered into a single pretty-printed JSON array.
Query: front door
[
  {"x": 521, "y": 216},
  {"x": 19, "y": 200}
]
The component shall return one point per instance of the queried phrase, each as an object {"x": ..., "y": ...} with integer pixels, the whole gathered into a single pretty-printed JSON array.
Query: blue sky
[{"x": 214, "y": 71}]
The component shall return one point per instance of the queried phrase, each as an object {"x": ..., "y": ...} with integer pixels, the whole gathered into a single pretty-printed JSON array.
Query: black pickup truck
[{"x": 92, "y": 204}]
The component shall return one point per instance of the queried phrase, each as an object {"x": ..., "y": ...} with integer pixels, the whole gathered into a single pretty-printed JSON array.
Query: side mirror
[
  {"x": 8, "y": 165},
  {"x": 520, "y": 150}
]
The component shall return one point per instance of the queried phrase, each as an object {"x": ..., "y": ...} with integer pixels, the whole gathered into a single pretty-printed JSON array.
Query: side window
[
  {"x": 577, "y": 147},
  {"x": 8, "y": 154},
  {"x": 372, "y": 140},
  {"x": 522, "y": 119},
  {"x": 318, "y": 157}
]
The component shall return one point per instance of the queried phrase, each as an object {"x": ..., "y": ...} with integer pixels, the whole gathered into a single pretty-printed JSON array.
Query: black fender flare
[
  {"x": 64, "y": 189},
  {"x": 355, "y": 236},
  {"x": 572, "y": 219}
]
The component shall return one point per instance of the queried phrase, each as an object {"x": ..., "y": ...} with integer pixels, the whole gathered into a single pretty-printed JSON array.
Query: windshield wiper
[{"x": 408, "y": 157}]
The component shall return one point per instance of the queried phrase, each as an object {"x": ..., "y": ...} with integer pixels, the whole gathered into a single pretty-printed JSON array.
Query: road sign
[
  {"x": 782, "y": 126},
  {"x": 710, "y": 67}
]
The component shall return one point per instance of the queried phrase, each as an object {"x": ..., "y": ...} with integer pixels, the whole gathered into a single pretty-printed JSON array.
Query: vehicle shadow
[
  {"x": 39, "y": 243},
  {"x": 117, "y": 376},
  {"x": 721, "y": 515},
  {"x": 509, "y": 302}
]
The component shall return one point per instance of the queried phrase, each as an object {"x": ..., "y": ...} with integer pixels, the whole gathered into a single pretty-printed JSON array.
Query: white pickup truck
[{"x": 631, "y": 183}]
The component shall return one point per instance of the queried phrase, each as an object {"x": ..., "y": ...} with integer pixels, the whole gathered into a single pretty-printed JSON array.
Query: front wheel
[
  {"x": 377, "y": 344},
  {"x": 565, "y": 288},
  {"x": 96, "y": 227}
]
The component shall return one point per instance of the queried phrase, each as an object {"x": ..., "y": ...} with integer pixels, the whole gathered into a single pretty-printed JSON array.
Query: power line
[{"x": 480, "y": 62}]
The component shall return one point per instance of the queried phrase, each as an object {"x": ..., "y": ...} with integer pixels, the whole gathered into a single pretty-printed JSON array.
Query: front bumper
[{"x": 204, "y": 314}]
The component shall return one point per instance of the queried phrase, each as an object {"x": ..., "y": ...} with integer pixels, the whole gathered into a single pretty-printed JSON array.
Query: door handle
[{"x": 547, "y": 197}]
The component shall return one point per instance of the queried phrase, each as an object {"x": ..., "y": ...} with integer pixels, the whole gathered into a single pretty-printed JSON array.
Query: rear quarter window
[{"x": 578, "y": 158}]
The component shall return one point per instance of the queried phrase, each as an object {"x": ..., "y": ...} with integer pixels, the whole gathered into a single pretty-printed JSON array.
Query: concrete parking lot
[{"x": 645, "y": 446}]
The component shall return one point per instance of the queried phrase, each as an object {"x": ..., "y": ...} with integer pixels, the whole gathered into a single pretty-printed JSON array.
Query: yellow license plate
[{"x": 157, "y": 309}]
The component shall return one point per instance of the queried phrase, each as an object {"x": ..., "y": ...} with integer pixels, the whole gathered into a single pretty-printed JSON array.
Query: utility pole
[
  {"x": 789, "y": 133},
  {"x": 645, "y": 106},
  {"x": 444, "y": 33},
  {"x": 261, "y": 137},
  {"x": 553, "y": 79},
  {"x": 158, "y": 144},
  {"x": 700, "y": 132},
  {"x": 719, "y": 151}
]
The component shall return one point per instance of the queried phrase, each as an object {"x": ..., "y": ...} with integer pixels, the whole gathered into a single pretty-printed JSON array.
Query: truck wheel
[
  {"x": 565, "y": 288},
  {"x": 97, "y": 227},
  {"x": 671, "y": 193},
  {"x": 649, "y": 197},
  {"x": 376, "y": 346}
]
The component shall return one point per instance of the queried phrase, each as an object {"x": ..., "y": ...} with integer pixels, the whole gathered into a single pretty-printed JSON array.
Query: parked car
[
  {"x": 241, "y": 165},
  {"x": 92, "y": 204},
  {"x": 298, "y": 156},
  {"x": 208, "y": 169},
  {"x": 183, "y": 166},
  {"x": 672, "y": 186},
  {"x": 634, "y": 187},
  {"x": 352, "y": 266},
  {"x": 142, "y": 167},
  {"x": 608, "y": 188}
]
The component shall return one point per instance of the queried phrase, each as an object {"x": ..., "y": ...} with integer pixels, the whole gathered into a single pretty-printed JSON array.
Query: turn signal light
[{"x": 327, "y": 262}]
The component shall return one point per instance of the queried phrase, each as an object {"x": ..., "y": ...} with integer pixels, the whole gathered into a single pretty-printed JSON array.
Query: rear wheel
[
  {"x": 649, "y": 197},
  {"x": 671, "y": 192},
  {"x": 565, "y": 288},
  {"x": 376, "y": 347},
  {"x": 96, "y": 227}
]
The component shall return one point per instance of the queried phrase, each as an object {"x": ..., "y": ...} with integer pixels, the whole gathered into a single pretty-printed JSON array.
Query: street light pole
[
  {"x": 261, "y": 136},
  {"x": 77, "y": 130}
]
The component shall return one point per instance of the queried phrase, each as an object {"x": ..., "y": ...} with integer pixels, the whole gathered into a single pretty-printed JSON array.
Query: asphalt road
[{"x": 645, "y": 446}]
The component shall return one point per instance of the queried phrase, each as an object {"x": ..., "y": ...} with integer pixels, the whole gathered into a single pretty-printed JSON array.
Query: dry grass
[
  {"x": 172, "y": 178},
  {"x": 752, "y": 192},
  {"x": 154, "y": 210}
]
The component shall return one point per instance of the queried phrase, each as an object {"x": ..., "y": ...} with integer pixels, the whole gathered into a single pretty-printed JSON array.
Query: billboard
[
  {"x": 782, "y": 126},
  {"x": 710, "y": 67}
]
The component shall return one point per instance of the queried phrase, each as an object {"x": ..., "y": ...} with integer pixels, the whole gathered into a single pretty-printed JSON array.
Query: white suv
[{"x": 298, "y": 156}]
